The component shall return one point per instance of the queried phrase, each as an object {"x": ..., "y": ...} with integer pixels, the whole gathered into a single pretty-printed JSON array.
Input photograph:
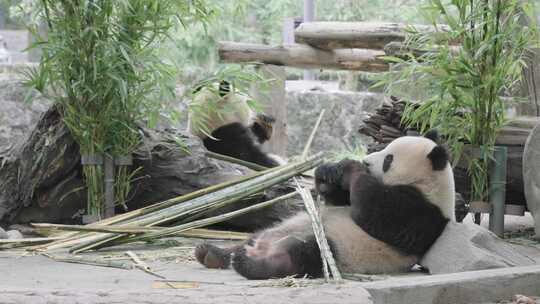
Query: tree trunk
[
  {"x": 42, "y": 180},
  {"x": 303, "y": 56}
]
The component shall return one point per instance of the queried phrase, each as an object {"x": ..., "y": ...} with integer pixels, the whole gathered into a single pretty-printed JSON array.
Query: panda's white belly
[{"x": 357, "y": 252}]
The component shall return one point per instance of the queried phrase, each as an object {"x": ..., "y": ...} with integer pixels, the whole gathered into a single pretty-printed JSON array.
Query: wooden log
[
  {"x": 398, "y": 49},
  {"x": 346, "y": 35},
  {"x": 303, "y": 56}
]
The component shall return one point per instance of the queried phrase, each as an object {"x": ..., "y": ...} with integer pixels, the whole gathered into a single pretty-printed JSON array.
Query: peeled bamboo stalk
[
  {"x": 318, "y": 228},
  {"x": 90, "y": 261},
  {"x": 312, "y": 135}
]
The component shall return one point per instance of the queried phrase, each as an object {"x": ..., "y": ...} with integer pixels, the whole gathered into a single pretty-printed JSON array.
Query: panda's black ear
[
  {"x": 438, "y": 157},
  {"x": 433, "y": 135}
]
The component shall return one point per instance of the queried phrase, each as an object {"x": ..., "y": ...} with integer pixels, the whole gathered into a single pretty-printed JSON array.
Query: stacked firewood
[{"x": 385, "y": 124}]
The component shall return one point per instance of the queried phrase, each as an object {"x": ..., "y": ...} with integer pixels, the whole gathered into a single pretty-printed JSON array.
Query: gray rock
[
  {"x": 338, "y": 131},
  {"x": 14, "y": 235},
  {"x": 531, "y": 176},
  {"x": 17, "y": 118},
  {"x": 3, "y": 234},
  {"x": 466, "y": 247}
]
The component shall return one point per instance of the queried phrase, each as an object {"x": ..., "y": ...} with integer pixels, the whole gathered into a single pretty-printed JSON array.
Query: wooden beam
[
  {"x": 347, "y": 35},
  {"x": 303, "y": 56}
]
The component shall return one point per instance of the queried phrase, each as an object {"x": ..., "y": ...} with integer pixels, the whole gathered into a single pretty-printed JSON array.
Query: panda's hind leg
[
  {"x": 289, "y": 256},
  {"x": 214, "y": 257}
]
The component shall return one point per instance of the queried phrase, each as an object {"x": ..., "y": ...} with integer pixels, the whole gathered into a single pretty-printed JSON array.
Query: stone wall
[{"x": 338, "y": 132}]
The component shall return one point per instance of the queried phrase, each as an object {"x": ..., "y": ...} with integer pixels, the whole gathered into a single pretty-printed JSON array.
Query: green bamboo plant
[
  {"x": 101, "y": 67},
  {"x": 462, "y": 69}
]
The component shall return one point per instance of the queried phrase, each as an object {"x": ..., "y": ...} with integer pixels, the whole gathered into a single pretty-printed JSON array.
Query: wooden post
[
  {"x": 531, "y": 85},
  {"x": 109, "y": 186},
  {"x": 497, "y": 190},
  {"x": 288, "y": 31},
  {"x": 309, "y": 16},
  {"x": 275, "y": 103}
]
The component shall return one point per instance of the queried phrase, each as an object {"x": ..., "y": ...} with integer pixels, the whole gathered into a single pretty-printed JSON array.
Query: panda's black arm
[
  {"x": 236, "y": 141},
  {"x": 397, "y": 215}
]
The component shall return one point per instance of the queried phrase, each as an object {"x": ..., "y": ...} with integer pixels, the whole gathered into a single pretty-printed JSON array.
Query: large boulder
[
  {"x": 3, "y": 234},
  {"x": 531, "y": 176},
  {"x": 467, "y": 247},
  {"x": 17, "y": 118}
]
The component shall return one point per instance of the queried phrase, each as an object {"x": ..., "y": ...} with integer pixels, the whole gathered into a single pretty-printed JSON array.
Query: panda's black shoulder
[{"x": 399, "y": 215}]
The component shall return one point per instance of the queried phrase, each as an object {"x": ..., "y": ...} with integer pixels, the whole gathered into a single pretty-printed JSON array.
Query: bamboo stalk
[
  {"x": 6, "y": 244},
  {"x": 193, "y": 232},
  {"x": 198, "y": 233},
  {"x": 233, "y": 160},
  {"x": 105, "y": 229},
  {"x": 130, "y": 216},
  {"x": 312, "y": 135},
  {"x": 208, "y": 221},
  {"x": 318, "y": 228},
  {"x": 249, "y": 165},
  {"x": 218, "y": 198}
]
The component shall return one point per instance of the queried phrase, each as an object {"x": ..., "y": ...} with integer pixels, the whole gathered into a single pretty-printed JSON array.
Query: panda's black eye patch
[{"x": 387, "y": 162}]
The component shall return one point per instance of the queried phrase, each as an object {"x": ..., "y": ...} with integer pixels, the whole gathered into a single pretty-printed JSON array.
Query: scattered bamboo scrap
[
  {"x": 291, "y": 282},
  {"x": 89, "y": 261},
  {"x": 140, "y": 264}
]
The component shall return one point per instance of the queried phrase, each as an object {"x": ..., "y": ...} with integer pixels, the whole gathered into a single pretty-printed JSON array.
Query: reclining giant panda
[
  {"x": 394, "y": 205},
  {"x": 227, "y": 125}
]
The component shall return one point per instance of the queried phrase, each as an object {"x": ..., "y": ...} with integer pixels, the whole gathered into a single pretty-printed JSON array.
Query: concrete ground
[{"x": 38, "y": 279}]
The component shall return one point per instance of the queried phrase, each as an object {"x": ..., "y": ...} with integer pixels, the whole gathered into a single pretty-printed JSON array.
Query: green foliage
[
  {"x": 100, "y": 66},
  {"x": 462, "y": 72}
]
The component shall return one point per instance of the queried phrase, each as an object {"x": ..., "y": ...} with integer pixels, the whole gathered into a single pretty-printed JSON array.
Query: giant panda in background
[
  {"x": 397, "y": 203},
  {"x": 228, "y": 126}
]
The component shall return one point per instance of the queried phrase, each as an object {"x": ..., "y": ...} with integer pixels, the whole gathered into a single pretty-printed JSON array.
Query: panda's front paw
[{"x": 328, "y": 173}]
